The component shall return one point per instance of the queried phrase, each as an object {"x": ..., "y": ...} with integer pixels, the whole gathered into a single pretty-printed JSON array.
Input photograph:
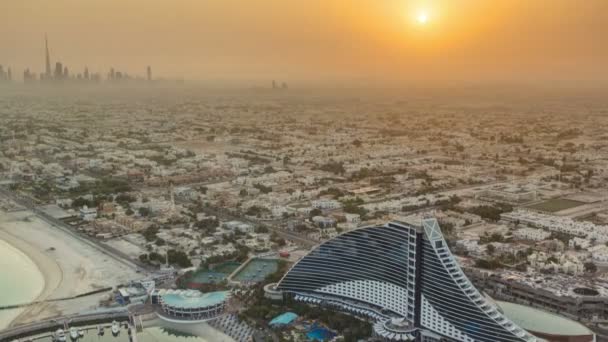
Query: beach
[{"x": 68, "y": 266}]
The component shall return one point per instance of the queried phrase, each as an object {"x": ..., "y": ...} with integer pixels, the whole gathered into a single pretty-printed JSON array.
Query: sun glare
[{"x": 422, "y": 17}]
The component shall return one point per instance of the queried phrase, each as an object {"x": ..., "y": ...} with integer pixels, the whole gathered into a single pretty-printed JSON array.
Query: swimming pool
[
  {"x": 283, "y": 319},
  {"x": 320, "y": 334}
]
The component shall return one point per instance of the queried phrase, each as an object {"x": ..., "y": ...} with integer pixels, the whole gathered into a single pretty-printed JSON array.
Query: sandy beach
[{"x": 69, "y": 267}]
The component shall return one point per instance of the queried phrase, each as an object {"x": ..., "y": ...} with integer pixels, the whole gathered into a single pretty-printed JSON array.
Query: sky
[{"x": 315, "y": 40}]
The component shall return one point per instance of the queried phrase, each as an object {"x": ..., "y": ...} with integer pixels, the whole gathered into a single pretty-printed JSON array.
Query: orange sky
[{"x": 320, "y": 40}]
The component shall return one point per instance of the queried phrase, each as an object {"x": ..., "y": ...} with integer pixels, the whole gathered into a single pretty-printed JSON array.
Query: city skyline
[
  {"x": 62, "y": 73},
  {"x": 370, "y": 41}
]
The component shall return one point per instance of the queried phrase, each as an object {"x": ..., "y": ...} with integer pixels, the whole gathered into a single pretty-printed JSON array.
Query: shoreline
[
  {"x": 52, "y": 274},
  {"x": 68, "y": 267}
]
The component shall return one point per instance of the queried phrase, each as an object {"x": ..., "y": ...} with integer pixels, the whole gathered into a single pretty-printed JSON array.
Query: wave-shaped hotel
[{"x": 404, "y": 277}]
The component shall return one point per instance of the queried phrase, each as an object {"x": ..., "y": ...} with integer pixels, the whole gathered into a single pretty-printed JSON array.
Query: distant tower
[
  {"x": 48, "y": 57},
  {"x": 66, "y": 73},
  {"x": 9, "y": 74},
  {"x": 86, "y": 73},
  {"x": 58, "y": 70},
  {"x": 149, "y": 72},
  {"x": 274, "y": 84}
]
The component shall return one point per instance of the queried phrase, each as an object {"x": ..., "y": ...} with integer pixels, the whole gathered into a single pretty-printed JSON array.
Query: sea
[{"x": 20, "y": 281}]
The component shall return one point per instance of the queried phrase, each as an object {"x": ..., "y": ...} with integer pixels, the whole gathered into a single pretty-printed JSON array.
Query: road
[
  {"x": 58, "y": 224},
  {"x": 270, "y": 224}
]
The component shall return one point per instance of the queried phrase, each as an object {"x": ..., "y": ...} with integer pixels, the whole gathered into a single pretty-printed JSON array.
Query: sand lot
[{"x": 69, "y": 266}]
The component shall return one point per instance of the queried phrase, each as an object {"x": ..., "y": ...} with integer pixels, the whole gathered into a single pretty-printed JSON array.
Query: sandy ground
[
  {"x": 127, "y": 247},
  {"x": 69, "y": 267}
]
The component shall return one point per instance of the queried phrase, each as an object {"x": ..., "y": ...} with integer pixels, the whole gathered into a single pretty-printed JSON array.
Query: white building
[
  {"x": 88, "y": 214},
  {"x": 325, "y": 204},
  {"x": 531, "y": 234},
  {"x": 599, "y": 255}
]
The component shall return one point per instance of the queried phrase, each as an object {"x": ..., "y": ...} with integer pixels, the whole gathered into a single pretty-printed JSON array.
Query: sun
[{"x": 422, "y": 17}]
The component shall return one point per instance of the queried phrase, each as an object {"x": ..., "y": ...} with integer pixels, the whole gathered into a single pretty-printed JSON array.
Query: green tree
[
  {"x": 490, "y": 249},
  {"x": 590, "y": 267}
]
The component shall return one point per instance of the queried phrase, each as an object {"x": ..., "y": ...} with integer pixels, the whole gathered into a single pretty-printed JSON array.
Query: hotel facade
[{"x": 404, "y": 278}]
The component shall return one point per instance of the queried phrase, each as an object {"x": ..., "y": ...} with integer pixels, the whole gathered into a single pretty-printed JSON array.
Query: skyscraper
[
  {"x": 405, "y": 278},
  {"x": 58, "y": 71},
  {"x": 149, "y": 72},
  {"x": 48, "y": 58}
]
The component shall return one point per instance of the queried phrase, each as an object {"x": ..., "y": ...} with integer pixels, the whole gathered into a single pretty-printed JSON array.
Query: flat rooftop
[{"x": 535, "y": 320}]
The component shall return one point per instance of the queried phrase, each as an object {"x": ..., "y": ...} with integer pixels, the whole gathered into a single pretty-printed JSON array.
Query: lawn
[{"x": 555, "y": 205}]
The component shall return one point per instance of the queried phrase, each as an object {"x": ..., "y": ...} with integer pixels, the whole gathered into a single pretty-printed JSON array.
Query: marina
[{"x": 121, "y": 332}]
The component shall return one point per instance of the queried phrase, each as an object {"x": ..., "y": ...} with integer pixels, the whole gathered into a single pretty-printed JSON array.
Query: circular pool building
[{"x": 190, "y": 305}]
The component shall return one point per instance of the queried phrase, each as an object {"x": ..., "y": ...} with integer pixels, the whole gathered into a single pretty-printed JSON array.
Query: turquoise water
[
  {"x": 20, "y": 281},
  {"x": 284, "y": 319},
  {"x": 320, "y": 334},
  {"x": 195, "y": 299},
  {"x": 256, "y": 270}
]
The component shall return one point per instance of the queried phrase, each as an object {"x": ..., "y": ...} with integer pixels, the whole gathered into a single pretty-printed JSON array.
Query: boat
[
  {"x": 80, "y": 333},
  {"x": 60, "y": 335},
  {"x": 100, "y": 331},
  {"x": 115, "y": 328},
  {"x": 73, "y": 334}
]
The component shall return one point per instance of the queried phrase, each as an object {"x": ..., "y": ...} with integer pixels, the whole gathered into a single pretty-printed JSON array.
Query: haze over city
[
  {"x": 316, "y": 41},
  {"x": 304, "y": 171}
]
